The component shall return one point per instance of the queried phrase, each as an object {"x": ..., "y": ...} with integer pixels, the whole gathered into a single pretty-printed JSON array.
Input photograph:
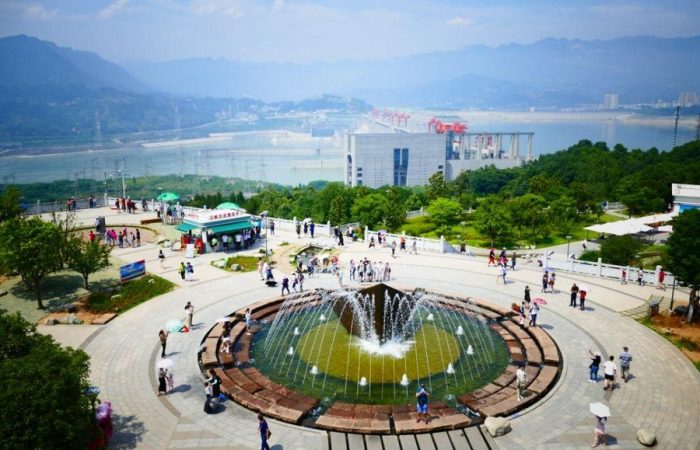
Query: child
[{"x": 169, "y": 379}]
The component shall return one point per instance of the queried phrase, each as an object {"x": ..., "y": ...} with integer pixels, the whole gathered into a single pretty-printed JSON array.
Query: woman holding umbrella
[
  {"x": 161, "y": 381},
  {"x": 601, "y": 413}
]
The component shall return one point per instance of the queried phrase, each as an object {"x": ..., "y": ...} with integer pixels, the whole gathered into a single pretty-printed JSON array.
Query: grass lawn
[
  {"x": 60, "y": 288},
  {"x": 247, "y": 263},
  {"x": 131, "y": 294},
  {"x": 423, "y": 227}
]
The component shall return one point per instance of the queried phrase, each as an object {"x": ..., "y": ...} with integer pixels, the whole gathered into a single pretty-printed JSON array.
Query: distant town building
[
  {"x": 685, "y": 196},
  {"x": 690, "y": 98},
  {"x": 611, "y": 101},
  {"x": 409, "y": 159}
]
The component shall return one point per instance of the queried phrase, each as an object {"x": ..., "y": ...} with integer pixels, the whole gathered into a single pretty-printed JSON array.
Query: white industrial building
[
  {"x": 409, "y": 159},
  {"x": 685, "y": 196}
]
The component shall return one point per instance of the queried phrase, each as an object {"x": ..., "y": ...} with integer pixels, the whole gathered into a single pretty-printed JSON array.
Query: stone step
[{"x": 104, "y": 318}]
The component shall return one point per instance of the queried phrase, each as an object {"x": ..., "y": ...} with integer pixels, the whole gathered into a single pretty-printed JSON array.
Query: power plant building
[{"x": 409, "y": 159}]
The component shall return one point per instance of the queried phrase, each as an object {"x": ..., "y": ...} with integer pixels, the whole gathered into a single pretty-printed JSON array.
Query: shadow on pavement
[
  {"x": 181, "y": 388},
  {"x": 128, "y": 432}
]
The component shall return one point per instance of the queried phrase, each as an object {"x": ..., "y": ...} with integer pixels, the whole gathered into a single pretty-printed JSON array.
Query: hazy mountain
[
  {"x": 27, "y": 62},
  {"x": 551, "y": 72}
]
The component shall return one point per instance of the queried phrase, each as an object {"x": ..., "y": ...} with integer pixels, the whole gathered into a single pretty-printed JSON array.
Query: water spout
[
  {"x": 470, "y": 350},
  {"x": 314, "y": 370},
  {"x": 450, "y": 369},
  {"x": 290, "y": 352},
  {"x": 430, "y": 317},
  {"x": 404, "y": 380},
  {"x": 460, "y": 331},
  {"x": 322, "y": 318},
  {"x": 296, "y": 331},
  {"x": 363, "y": 381}
]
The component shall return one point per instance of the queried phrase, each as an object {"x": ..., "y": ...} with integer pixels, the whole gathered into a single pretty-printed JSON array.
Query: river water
[{"x": 293, "y": 157}]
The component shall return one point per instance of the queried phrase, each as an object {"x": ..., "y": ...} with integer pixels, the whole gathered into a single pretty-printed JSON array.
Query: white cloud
[
  {"x": 277, "y": 5},
  {"x": 39, "y": 12},
  {"x": 112, "y": 9},
  {"x": 229, "y": 8},
  {"x": 459, "y": 21}
]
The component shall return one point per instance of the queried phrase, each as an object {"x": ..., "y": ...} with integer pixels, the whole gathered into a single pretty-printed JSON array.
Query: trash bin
[{"x": 654, "y": 308}]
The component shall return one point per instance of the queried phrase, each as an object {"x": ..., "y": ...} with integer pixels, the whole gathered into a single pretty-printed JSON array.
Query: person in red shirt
[{"x": 662, "y": 277}]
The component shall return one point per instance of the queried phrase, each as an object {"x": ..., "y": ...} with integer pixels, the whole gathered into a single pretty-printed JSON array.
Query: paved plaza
[{"x": 663, "y": 394}]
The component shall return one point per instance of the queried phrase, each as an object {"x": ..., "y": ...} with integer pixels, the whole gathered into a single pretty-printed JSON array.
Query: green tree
[
  {"x": 563, "y": 214},
  {"x": 683, "y": 249},
  {"x": 370, "y": 210},
  {"x": 10, "y": 203},
  {"x": 396, "y": 209},
  {"x": 338, "y": 213},
  {"x": 444, "y": 213},
  {"x": 491, "y": 219},
  {"x": 86, "y": 257},
  {"x": 621, "y": 250},
  {"x": 42, "y": 399},
  {"x": 437, "y": 187},
  {"x": 528, "y": 213},
  {"x": 32, "y": 248}
]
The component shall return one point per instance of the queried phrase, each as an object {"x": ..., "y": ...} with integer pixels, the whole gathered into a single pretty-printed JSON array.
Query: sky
[{"x": 305, "y": 31}]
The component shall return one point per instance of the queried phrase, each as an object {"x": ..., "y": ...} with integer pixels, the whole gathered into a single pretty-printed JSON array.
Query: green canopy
[
  {"x": 228, "y": 205},
  {"x": 185, "y": 227},
  {"x": 168, "y": 197},
  {"x": 231, "y": 227}
]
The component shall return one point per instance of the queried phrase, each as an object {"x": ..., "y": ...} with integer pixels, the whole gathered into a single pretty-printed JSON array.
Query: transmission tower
[{"x": 675, "y": 128}]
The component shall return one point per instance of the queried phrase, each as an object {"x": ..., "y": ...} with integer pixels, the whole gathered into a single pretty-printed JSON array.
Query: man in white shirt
[{"x": 609, "y": 370}]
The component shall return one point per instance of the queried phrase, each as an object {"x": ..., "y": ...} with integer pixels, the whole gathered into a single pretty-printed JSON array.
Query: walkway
[{"x": 662, "y": 395}]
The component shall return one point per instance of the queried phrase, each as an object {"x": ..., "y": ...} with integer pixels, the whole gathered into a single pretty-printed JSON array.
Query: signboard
[
  {"x": 189, "y": 251},
  {"x": 134, "y": 270}
]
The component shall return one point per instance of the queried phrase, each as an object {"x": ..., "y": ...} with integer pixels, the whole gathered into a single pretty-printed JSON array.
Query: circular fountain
[{"x": 350, "y": 360}]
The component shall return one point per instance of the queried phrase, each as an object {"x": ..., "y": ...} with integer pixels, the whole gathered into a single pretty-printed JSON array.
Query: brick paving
[{"x": 662, "y": 395}]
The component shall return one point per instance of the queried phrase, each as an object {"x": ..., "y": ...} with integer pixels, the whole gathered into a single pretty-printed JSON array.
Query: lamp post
[
  {"x": 263, "y": 216},
  {"x": 673, "y": 291},
  {"x": 568, "y": 241}
]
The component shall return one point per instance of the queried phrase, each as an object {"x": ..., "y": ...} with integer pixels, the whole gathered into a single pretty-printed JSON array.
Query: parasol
[
  {"x": 599, "y": 409},
  {"x": 168, "y": 197},
  {"x": 228, "y": 205},
  {"x": 165, "y": 364},
  {"x": 540, "y": 301},
  {"x": 174, "y": 326}
]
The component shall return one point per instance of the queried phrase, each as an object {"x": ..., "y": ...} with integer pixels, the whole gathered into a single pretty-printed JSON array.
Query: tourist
[
  {"x": 190, "y": 271},
  {"x": 352, "y": 270},
  {"x": 545, "y": 281},
  {"x": 527, "y": 294},
  {"x": 272, "y": 227},
  {"x": 189, "y": 310},
  {"x": 534, "y": 310},
  {"x": 521, "y": 314},
  {"x": 609, "y": 372},
  {"x": 312, "y": 228},
  {"x": 208, "y": 392},
  {"x": 599, "y": 432},
  {"x": 625, "y": 360},
  {"x": 501, "y": 273},
  {"x": 660, "y": 281},
  {"x": 285, "y": 284},
  {"x": 593, "y": 367},
  {"x": 341, "y": 240},
  {"x": 161, "y": 258},
  {"x": 574, "y": 294},
  {"x": 521, "y": 378},
  {"x": 297, "y": 228},
  {"x": 402, "y": 243},
  {"x": 182, "y": 270},
  {"x": 215, "y": 383},
  {"x": 248, "y": 320},
  {"x": 170, "y": 379},
  {"x": 340, "y": 278},
  {"x": 623, "y": 276},
  {"x": 552, "y": 279},
  {"x": 414, "y": 247},
  {"x": 268, "y": 272},
  {"x": 371, "y": 242},
  {"x": 295, "y": 282},
  {"x": 512, "y": 261},
  {"x": 582, "y": 299},
  {"x": 640, "y": 276},
  {"x": 91, "y": 236},
  {"x": 422, "y": 402},
  {"x": 161, "y": 382},
  {"x": 144, "y": 204},
  {"x": 393, "y": 249},
  {"x": 492, "y": 258},
  {"x": 387, "y": 272},
  {"x": 163, "y": 336},
  {"x": 138, "y": 238},
  {"x": 265, "y": 433}
]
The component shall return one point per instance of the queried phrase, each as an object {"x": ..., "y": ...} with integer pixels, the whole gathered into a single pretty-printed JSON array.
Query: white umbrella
[
  {"x": 599, "y": 409},
  {"x": 308, "y": 219},
  {"x": 222, "y": 319},
  {"x": 585, "y": 288},
  {"x": 165, "y": 363}
]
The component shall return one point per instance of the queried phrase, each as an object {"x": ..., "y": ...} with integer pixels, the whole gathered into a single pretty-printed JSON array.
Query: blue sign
[{"x": 133, "y": 270}]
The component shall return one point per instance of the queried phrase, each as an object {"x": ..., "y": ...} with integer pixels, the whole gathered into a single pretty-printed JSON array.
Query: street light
[
  {"x": 568, "y": 241},
  {"x": 263, "y": 216}
]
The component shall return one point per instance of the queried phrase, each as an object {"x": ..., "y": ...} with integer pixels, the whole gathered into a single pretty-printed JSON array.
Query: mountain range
[{"x": 50, "y": 93}]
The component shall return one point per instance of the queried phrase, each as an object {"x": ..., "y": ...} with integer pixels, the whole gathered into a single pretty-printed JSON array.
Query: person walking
[
  {"x": 521, "y": 377},
  {"x": 170, "y": 379},
  {"x": 182, "y": 270},
  {"x": 393, "y": 249},
  {"x": 312, "y": 229},
  {"x": 625, "y": 360},
  {"x": 215, "y": 383},
  {"x": 574, "y": 294},
  {"x": 599, "y": 435},
  {"x": 512, "y": 261},
  {"x": 138, "y": 237},
  {"x": 297, "y": 228},
  {"x": 640, "y": 276},
  {"x": 272, "y": 227},
  {"x": 190, "y": 272},
  {"x": 163, "y": 336},
  {"x": 521, "y": 315},
  {"x": 623, "y": 276},
  {"x": 265, "y": 433},
  {"x": 593, "y": 367},
  {"x": 545, "y": 281},
  {"x": 527, "y": 295},
  {"x": 414, "y": 247},
  {"x": 161, "y": 258},
  {"x": 189, "y": 310},
  {"x": 161, "y": 382},
  {"x": 552, "y": 279},
  {"x": 582, "y": 299},
  {"x": 285, "y": 284},
  {"x": 660, "y": 280},
  {"x": 534, "y": 310},
  {"x": 609, "y": 371},
  {"x": 422, "y": 402}
]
